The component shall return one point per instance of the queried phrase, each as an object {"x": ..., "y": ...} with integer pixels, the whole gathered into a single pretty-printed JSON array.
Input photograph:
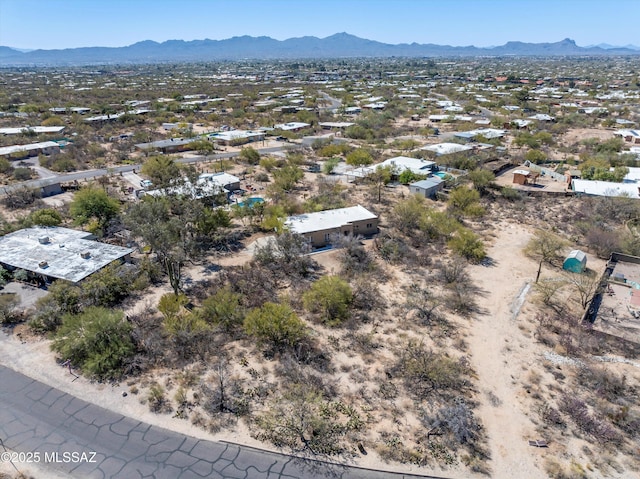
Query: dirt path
[{"x": 500, "y": 353}]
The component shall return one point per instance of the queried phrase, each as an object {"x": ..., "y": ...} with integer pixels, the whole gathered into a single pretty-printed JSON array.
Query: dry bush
[
  {"x": 591, "y": 425},
  {"x": 292, "y": 373},
  {"x": 428, "y": 373}
]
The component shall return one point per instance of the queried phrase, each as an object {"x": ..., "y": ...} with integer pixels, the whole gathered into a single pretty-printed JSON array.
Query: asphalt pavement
[
  {"x": 87, "y": 174},
  {"x": 67, "y": 435}
]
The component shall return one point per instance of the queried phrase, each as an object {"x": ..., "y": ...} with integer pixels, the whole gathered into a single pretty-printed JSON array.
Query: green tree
[
  {"x": 481, "y": 179},
  {"x": 250, "y": 155},
  {"x": 330, "y": 296},
  {"x": 359, "y": 157},
  {"x": 224, "y": 309},
  {"x": 275, "y": 323},
  {"x": 330, "y": 165},
  {"x": 544, "y": 247},
  {"x": 465, "y": 202},
  {"x": 535, "y": 156},
  {"x": 45, "y": 217},
  {"x": 203, "y": 147},
  {"x": 109, "y": 286},
  {"x": 380, "y": 177},
  {"x": 161, "y": 170},
  {"x": 286, "y": 178},
  {"x": 408, "y": 176},
  {"x": 98, "y": 341},
  {"x": 94, "y": 204},
  {"x": 171, "y": 304},
  {"x": 177, "y": 229},
  {"x": 468, "y": 245}
]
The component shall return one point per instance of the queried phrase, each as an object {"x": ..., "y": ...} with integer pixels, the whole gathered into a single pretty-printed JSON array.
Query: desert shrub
[
  {"x": 354, "y": 258},
  {"x": 286, "y": 255},
  {"x": 8, "y": 313},
  {"x": 22, "y": 174},
  {"x": 604, "y": 383},
  {"x": 21, "y": 198},
  {"x": 276, "y": 324},
  {"x": 424, "y": 305},
  {"x": 224, "y": 309},
  {"x": 468, "y": 245},
  {"x": 330, "y": 296},
  {"x": 458, "y": 421},
  {"x": 510, "y": 194},
  {"x": 256, "y": 284},
  {"x": 426, "y": 372},
  {"x": 157, "y": 399},
  {"x": 602, "y": 241},
  {"x": 98, "y": 341},
  {"x": 223, "y": 392},
  {"x": 303, "y": 422},
  {"x": 45, "y": 217},
  {"x": 579, "y": 413},
  {"x": 391, "y": 248}
]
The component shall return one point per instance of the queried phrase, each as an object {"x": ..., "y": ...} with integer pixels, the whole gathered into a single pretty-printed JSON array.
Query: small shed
[
  {"x": 576, "y": 262},
  {"x": 427, "y": 188},
  {"x": 520, "y": 177}
]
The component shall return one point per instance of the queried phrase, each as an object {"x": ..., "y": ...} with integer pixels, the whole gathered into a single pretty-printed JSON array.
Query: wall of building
[{"x": 322, "y": 238}]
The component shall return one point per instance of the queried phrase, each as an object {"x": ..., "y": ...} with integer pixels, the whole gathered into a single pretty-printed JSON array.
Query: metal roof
[
  {"x": 58, "y": 252},
  {"x": 428, "y": 183},
  {"x": 577, "y": 254}
]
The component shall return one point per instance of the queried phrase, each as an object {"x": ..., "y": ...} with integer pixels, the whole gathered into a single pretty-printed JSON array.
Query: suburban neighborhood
[{"x": 418, "y": 266}]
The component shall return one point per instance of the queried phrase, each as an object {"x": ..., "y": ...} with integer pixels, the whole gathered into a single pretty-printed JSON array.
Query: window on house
[{"x": 369, "y": 225}]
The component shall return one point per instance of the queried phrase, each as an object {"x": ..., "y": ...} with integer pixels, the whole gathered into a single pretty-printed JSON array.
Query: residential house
[{"x": 322, "y": 227}]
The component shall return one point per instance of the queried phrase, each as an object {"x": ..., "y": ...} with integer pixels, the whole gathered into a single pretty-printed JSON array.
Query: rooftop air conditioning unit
[
  {"x": 43, "y": 240},
  {"x": 43, "y": 264},
  {"x": 85, "y": 255}
]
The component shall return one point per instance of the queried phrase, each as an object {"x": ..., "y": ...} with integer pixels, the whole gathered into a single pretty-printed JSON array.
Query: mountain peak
[{"x": 339, "y": 45}]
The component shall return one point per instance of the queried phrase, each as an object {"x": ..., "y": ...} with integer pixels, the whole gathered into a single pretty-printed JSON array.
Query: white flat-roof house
[
  {"x": 55, "y": 252},
  {"x": 605, "y": 188},
  {"x": 207, "y": 185},
  {"x": 320, "y": 228},
  {"x": 447, "y": 148},
  {"x": 32, "y": 129},
  {"x": 237, "y": 136},
  {"x": 401, "y": 163},
  {"x": 24, "y": 151}
]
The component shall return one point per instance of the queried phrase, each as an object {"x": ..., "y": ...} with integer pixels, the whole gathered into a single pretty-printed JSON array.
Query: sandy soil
[{"x": 498, "y": 351}]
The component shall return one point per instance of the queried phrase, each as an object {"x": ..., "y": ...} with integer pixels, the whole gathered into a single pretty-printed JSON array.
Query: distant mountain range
[{"x": 340, "y": 45}]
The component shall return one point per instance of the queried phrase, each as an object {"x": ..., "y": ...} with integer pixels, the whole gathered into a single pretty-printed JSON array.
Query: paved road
[
  {"x": 35, "y": 417},
  {"x": 334, "y": 103},
  {"x": 81, "y": 175}
]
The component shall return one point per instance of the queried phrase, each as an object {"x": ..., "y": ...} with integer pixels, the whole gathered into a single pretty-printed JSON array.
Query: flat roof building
[
  {"x": 237, "y": 136},
  {"x": 605, "y": 188},
  {"x": 403, "y": 163},
  {"x": 171, "y": 145},
  {"x": 446, "y": 148},
  {"x": 207, "y": 186},
  {"x": 320, "y": 228},
  {"x": 31, "y": 129},
  {"x": 56, "y": 252},
  {"x": 32, "y": 149}
]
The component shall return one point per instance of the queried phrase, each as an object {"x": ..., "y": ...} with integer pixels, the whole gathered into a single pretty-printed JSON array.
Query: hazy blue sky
[{"x": 52, "y": 24}]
